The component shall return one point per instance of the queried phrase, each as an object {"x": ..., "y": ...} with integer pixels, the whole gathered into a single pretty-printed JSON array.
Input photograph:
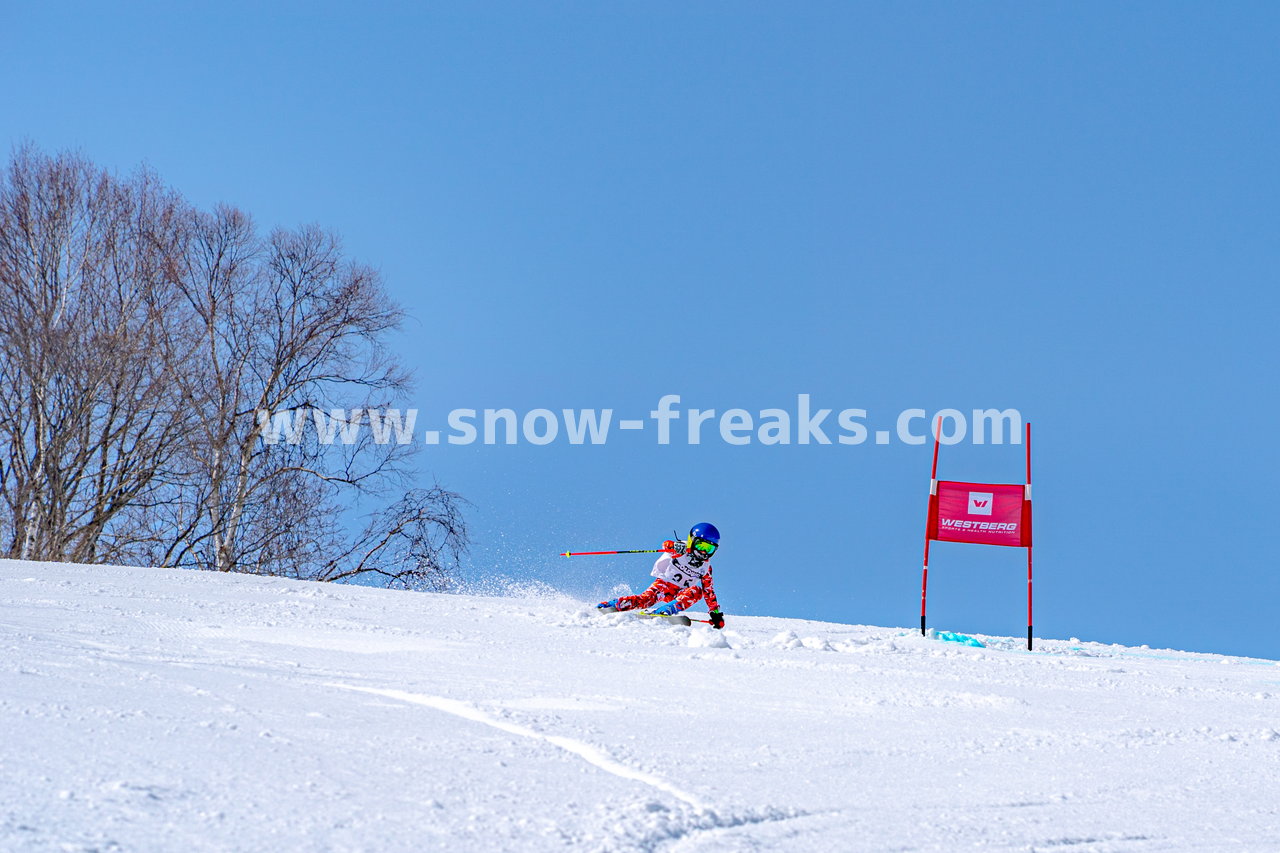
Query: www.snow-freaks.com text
[{"x": 669, "y": 423}]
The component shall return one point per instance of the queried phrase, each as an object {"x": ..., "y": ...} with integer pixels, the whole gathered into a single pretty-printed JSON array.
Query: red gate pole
[
  {"x": 933, "y": 490},
  {"x": 1028, "y": 498},
  {"x": 924, "y": 584}
]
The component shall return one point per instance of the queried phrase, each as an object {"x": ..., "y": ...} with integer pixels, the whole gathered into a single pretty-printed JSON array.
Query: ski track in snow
[
  {"x": 703, "y": 820},
  {"x": 584, "y": 751},
  {"x": 146, "y": 709}
]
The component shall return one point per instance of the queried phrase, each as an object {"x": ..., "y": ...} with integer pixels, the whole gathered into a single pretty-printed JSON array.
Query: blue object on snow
[
  {"x": 668, "y": 609},
  {"x": 963, "y": 639}
]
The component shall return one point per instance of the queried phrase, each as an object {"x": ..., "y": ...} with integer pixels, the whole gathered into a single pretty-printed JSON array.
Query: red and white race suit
[{"x": 678, "y": 578}]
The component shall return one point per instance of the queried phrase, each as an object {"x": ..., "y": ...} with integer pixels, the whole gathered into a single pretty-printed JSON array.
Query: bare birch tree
[
  {"x": 88, "y": 418},
  {"x": 148, "y": 351}
]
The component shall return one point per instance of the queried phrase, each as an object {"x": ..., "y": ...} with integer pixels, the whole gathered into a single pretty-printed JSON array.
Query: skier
[{"x": 683, "y": 578}]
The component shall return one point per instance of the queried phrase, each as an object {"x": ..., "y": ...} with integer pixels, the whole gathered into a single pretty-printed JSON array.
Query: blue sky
[{"x": 1065, "y": 208}]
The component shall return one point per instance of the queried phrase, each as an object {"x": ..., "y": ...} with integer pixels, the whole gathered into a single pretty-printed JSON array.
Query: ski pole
[{"x": 597, "y": 553}]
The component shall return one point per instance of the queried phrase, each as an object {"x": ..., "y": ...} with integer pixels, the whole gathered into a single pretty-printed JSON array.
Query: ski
[{"x": 677, "y": 619}]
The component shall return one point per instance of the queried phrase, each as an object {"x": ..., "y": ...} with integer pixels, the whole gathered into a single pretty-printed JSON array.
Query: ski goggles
[{"x": 703, "y": 547}]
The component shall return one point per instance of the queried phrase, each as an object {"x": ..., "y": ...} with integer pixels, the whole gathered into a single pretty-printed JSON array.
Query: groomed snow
[{"x": 149, "y": 709}]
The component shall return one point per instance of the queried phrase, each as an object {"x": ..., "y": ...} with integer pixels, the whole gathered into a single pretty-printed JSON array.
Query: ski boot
[{"x": 669, "y": 613}]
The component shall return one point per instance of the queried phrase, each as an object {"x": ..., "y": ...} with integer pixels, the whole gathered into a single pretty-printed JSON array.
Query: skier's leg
[
  {"x": 660, "y": 588},
  {"x": 688, "y": 597}
]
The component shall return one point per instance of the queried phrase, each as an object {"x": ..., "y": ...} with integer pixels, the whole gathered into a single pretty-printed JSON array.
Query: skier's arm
[{"x": 709, "y": 594}]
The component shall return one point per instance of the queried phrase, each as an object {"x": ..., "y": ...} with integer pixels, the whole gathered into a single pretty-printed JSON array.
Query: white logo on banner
[{"x": 980, "y": 503}]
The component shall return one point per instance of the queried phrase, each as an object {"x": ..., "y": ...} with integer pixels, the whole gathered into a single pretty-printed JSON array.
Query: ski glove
[
  {"x": 717, "y": 619},
  {"x": 673, "y": 547},
  {"x": 668, "y": 609}
]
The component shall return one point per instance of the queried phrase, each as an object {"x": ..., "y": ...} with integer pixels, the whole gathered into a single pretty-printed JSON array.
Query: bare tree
[
  {"x": 414, "y": 543},
  {"x": 148, "y": 349},
  {"x": 88, "y": 416},
  {"x": 286, "y": 326}
]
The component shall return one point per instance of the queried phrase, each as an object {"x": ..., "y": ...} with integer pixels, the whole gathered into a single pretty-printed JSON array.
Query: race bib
[{"x": 671, "y": 571}]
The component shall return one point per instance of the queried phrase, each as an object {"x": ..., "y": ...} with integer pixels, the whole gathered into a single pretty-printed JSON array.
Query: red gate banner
[{"x": 981, "y": 513}]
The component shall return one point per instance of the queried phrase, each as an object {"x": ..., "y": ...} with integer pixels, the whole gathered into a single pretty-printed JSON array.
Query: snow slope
[{"x": 148, "y": 709}]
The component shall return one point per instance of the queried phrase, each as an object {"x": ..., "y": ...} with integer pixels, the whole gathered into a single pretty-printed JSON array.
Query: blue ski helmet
[
  {"x": 704, "y": 539},
  {"x": 705, "y": 530}
]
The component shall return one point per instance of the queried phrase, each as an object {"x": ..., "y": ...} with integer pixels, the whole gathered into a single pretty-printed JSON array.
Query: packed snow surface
[{"x": 148, "y": 709}]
